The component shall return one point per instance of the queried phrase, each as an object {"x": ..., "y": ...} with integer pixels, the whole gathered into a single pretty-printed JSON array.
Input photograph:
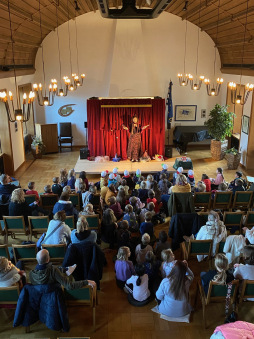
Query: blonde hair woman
[
  {"x": 61, "y": 232},
  {"x": 221, "y": 275},
  {"x": 9, "y": 274},
  {"x": 82, "y": 233},
  {"x": 181, "y": 186},
  {"x": 18, "y": 206}
]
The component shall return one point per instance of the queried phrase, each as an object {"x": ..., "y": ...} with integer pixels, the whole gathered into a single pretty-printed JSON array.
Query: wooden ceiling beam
[
  {"x": 227, "y": 20},
  {"x": 19, "y": 42},
  {"x": 196, "y": 9},
  {"x": 20, "y": 12},
  {"x": 234, "y": 42}
]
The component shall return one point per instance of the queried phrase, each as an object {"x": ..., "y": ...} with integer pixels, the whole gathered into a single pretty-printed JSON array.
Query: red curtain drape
[{"x": 106, "y": 135}]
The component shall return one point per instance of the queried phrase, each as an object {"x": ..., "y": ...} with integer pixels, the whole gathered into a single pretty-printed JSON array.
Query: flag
[{"x": 169, "y": 104}]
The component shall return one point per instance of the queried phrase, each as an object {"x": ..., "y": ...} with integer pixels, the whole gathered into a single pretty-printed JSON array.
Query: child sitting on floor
[
  {"x": 163, "y": 184},
  {"x": 161, "y": 245},
  {"x": 63, "y": 177},
  {"x": 149, "y": 208},
  {"x": 190, "y": 178},
  {"x": 128, "y": 179},
  {"x": 115, "y": 207},
  {"x": 201, "y": 187},
  {"x": 124, "y": 268},
  {"x": 137, "y": 176},
  {"x": 71, "y": 179},
  {"x": 149, "y": 181},
  {"x": 152, "y": 269},
  {"x": 143, "y": 248},
  {"x": 112, "y": 180},
  {"x": 130, "y": 216},
  {"x": 151, "y": 198},
  {"x": 123, "y": 237},
  {"x": 117, "y": 176},
  {"x": 124, "y": 186},
  {"x": 31, "y": 190},
  {"x": 207, "y": 182},
  {"x": 218, "y": 180},
  {"x": 143, "y": 192},
  {"x": 56, "y": 187},
  {"x": 147, "y": 225},
  {"x": 168, "y": 262},
  {"x": 140, "y": 292}
]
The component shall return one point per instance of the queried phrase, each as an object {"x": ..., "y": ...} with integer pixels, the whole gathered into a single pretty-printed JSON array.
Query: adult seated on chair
[
  {"x": 87, "y": 197},
  {"x": 6, "y": 188},
  {"x": 213, "y": 229},
  {"x": 18, "y": 206},
  {"x": 46, "y": 273},
  {"x": 58, "y": 232},
  {"x": 82, "y": 233},
  {"x": 64, "y": 204},
  {"x": 10, "y": 274}
]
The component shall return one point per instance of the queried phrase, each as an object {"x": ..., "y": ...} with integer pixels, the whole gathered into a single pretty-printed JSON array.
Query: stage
[{"x": 92, "y": 167}]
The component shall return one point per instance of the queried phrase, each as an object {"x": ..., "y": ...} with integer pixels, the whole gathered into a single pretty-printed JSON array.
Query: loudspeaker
[
  {"x": 85, "y": 124},
  {"x": 84, "y": 152},
  {"x": 168, "y": 151}
]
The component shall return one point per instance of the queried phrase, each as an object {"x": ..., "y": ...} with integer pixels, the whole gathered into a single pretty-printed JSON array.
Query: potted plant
[
  {"x": 37, "y": 147},
  {"x": 233, "y": 158},
  {"x": 220, "y": 125}
]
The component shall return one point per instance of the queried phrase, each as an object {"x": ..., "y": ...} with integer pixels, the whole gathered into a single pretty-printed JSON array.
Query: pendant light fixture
[
  {"x": 183, "y": 77},
  {"x": 236, "y": 96},
  {"x": 62, "y": 91},
  {"x": 214, "y": 89},
  {"x": 19, "y": 113},
  {"x": 44, "y": 98},
  {"x": 196, "y": 84},
  {"x": 79, "y": 83}
]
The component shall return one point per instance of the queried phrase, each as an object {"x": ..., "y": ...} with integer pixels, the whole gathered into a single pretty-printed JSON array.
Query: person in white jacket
[
  {"x": 249, "y": 234},
  {"x": 214, "y": 229}
]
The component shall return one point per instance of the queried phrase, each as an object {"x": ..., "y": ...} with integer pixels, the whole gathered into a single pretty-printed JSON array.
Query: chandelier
[
  {"x": 20, "y": 114},
  {"x": 183, "y": 77},
  {"x": 74, "y": 81},
  {"x": 196, "y": 84},
  {"x": 214, "y": 88},
  {"x": 237, "y": 97},
  {"x": 44, "y": 98}
]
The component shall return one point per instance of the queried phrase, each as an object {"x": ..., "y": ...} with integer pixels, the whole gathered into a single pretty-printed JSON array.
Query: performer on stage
[{"x": 134, "y": 151}]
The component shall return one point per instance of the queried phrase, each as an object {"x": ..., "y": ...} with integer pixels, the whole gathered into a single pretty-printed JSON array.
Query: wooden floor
[{"x": 116, "y": 318}]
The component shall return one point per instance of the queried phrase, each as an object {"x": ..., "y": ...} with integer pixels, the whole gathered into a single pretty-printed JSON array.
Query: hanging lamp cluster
[{"x": 19, "y": 113}]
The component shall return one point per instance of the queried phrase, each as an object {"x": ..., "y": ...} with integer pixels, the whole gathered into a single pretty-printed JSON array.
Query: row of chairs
[
  {"x": 85, "y": 296},
  {"x": 38, "y": 225},
  {"x": 217, "y": 293},
  {"x": 224, "y": 200},
  {"x": 47, "y": 201}
]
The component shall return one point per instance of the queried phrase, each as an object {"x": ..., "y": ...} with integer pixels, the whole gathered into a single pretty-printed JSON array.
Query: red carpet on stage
[{"x": 106, "y": 135}]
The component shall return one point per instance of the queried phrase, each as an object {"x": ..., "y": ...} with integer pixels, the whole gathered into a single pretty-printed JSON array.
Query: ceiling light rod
[
  {"x": 214, "y": 90},
  {"x": 77, "y": 82},
  {"x": 44, "y": 99},
  {"x": 198, "y": 82},
  {"x": 236, "y": 96},
  {"x": 19, "y": 114},
  {"x": 183, "y": 77}
]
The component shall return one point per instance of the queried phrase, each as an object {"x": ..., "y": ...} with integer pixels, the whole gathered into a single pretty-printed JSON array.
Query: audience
[
  {"x": 181, "y": 186},
  {"x": 88, "y": 210},
  {"x": 31, "y": 190},
  {"x": 128, "y": 179},
  {"x": 108, "y": 227},
  {"x": 121, "y": 197},
  {"x": 238, "y": 186},
  {"x": 123, "y": 235},
  {"x": 111, "y": 192},
  {"x": 47, "y": 190},
  {"x": 151, "y": 198},
  {"x": 149, "y": 181},
  {"x": 161, "y": 245},
  {"x": 124, "y": 268},
  {"x": 163, "y": 184},
  {"x": 58, "y": 232},
  {"x": 207, "y": 182},
  {"x": 218, "y": 180},
  {"x": 10, "y": 274},
  {"x": 143, "y": 192},
  {"x": 190, "y": 178},
  {"x": 6, "y": 188},
  {"x": 18, "y": 206},
  {"x": 71, "y": 179},
  {"x": 130, "y": 216},
  {"x": 147, "y": 225},
  {"x": 201, "y": 187},
  {"x": 124, "y": 186},
  {"x": 87, "y": 197},
  {"x": 82, "y": 176},
  {"x": 173, "y": 293},
  {"x": 115, "y": 207},
  {"x": 64, "y": 204},
  {"x": 63, "y": 177},
  {"x": 168, "y": 262},
  {"x": 112, "y": 180},
  {"x": 150, "y": 208},
  {"x": 143, "y": 248},
  {"x": 152, "y": 269},
  {"x": 82, "y": 233}
]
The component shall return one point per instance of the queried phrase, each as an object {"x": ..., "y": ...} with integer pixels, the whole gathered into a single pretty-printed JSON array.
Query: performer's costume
[{"x": 134, "y": 151}]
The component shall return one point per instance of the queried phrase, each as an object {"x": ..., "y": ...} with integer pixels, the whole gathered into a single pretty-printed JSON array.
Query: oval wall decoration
[{"x": 66, "y": 110}]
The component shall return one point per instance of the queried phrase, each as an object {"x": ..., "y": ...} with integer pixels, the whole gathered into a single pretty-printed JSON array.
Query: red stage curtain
[{"x": 106, "y": 135}]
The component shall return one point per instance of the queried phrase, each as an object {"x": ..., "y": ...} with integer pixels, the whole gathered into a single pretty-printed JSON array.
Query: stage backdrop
[{"x": 106, "y": 135}]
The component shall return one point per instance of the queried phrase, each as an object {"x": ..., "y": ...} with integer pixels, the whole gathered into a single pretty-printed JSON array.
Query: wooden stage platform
[{"x": 92, "y": 167}]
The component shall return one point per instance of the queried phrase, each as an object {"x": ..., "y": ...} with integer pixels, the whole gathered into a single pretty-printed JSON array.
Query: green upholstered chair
[
  {"x": 9, "y": 295},
  {"x": 222, "y": 200},
  {"x": 75, "y": 199},
  {"x": 4, "y": 252},
  {"x": 13, "y": 226},
  {"x": 24, "y": 252},
  {"x": 56, "y": 252},
  {"x": 202, "y": 200},
  {"x": 243, "y": 200},
  {"x": 30, "y": 198},
  {"x": 249, "y": 221},
  {"x": 233, "y": 219},
  {"x": 48, "y": 201},
  {"x": 247, "y": 290},
  {"x": 70, "y": 221},
  {"x": 37, "y": 225},
  {"x": 93, "y": 222},
  {"x": 197, "y": 247}
]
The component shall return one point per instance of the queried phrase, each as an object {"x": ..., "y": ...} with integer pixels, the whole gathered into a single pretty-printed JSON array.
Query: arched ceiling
[{"x": 228, "y": 35}]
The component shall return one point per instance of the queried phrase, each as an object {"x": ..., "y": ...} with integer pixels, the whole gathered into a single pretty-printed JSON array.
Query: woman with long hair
[
  {"x": 108, "y": 227},
  {"x": 134, "y": 151},
  {"x": 173, "y": 292}
]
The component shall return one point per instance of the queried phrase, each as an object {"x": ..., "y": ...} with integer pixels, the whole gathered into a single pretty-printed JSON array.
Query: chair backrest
[
  {"x": 30, "y": 198},
  {"x": 243, "y": 199},
  {"x": 48, "y": 200},
  {"x": 222, "y": 200},
  {"x": 70, "y": 221},
  {"x": 14, "y": 224},
  {"x": 75, "y": 199},
  {"x": 24, "y": 252},
  {"x": 56, "y": 252},
  {"x": 204, "y": 216},
  {"x": 4, "y": 252},
  {"x": 38, "y": 224},
  {"x": 9, "y": 295},
  {"x": 93, "y": 221},
  {"x": 81, "y": 296},
  {"x": 249, "y": 219},
  {"x": 96, "y": 200},
  {"x": 220, "y": 247},
  {"x": 218, "y": 292},
  {"x": 200, "y": 247},
  {"x": 65, "y": 129},
  {"x": 247, "y": 289},
  {"x": 233, "y": 219},
  {"x": 202, "y": 199}
]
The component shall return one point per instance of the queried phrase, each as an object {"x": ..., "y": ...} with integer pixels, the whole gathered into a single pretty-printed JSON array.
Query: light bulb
[
  {"x": 213, "y": 92},
  {"x": 195, "y": 87},
  {"x": 61, "y": 92},
  {"x": 238, "y": 99},
  {"x": 71, "y": 87},
  {"x": 82, "y": 75},
  {"x": 45, "y": 101}
]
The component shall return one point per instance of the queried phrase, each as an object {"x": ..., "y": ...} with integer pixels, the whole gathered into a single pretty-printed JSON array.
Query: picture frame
[
  {"x": 245, "y": 124},
  {"x": 185, "y": 112}
]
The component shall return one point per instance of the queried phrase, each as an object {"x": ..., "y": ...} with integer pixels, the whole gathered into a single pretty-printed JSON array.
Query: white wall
[
  {"x": 16, "y": 137},
  {"x": 126, "y": 58}
]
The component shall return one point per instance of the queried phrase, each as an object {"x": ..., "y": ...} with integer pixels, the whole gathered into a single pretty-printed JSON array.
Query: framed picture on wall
[
  {"x": 245, "y": 124},
  {"x": 185, "y": 112}
]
